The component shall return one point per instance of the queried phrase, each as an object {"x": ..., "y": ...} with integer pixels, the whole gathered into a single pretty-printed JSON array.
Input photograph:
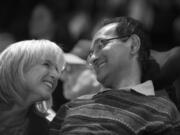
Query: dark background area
[{"x": 160, "y": 16}]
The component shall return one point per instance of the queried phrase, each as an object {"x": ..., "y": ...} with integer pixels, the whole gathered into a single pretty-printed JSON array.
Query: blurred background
[{"x": 67, "y": 22}]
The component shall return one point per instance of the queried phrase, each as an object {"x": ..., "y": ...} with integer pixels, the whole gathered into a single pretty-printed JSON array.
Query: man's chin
[
  {"x": 104, "y": 81},
  {"x": 100, "y": 79}
]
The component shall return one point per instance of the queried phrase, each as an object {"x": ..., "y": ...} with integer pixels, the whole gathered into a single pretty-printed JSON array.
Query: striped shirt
[{"x": 117, "y": 112}]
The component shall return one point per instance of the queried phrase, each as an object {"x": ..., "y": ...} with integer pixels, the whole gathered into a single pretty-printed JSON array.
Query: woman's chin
[{"x": 43, "y": 98}]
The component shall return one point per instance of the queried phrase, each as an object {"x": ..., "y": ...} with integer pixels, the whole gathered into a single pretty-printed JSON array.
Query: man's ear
[{"x": 136, "y": 43}]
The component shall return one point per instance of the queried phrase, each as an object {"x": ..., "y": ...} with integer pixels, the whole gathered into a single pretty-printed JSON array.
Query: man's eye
[{"x": 102, "y": 44}]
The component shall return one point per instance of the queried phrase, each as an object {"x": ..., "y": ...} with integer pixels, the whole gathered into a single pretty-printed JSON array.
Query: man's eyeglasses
[{"x": 101, "y": 43}]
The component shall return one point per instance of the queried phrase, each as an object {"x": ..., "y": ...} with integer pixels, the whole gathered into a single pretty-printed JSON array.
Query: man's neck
[
  {"x": 127, "y": 81},
  {"x": 128, "y": 78}
]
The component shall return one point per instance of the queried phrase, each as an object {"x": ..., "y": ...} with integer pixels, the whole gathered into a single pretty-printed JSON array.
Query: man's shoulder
[{"x": 86, "y": 97}]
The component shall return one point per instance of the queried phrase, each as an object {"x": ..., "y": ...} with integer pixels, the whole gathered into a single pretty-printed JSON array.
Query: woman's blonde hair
[{"x": 18, "y": 58}]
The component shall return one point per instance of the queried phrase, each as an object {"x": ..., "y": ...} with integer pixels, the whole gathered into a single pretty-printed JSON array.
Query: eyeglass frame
[{"x": 104, "y": 42}]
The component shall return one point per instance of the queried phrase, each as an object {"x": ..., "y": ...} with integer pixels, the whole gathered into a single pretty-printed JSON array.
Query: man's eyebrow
[{"x": 95, "y": 42}]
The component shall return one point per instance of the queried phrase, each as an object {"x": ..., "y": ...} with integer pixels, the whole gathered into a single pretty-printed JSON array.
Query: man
[{"x": 121, "y": 59}]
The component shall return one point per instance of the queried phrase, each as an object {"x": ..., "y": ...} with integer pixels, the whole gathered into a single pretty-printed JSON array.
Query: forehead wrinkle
[{"x": 107, "y": 30}]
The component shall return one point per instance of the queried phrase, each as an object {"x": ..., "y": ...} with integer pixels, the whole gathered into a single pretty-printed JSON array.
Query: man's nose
[{"x": 92, "y": 59}]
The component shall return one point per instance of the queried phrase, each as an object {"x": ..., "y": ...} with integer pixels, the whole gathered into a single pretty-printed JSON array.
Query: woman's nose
[
  {"x": 64, "y": 75},
  {"x": 54, "y": 73}
]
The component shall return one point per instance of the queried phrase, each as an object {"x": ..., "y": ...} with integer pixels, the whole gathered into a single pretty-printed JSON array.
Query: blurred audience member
[
  {"x": 141, "y": 10},
  {"x": 47, "y": 23},
  {"x": 169, "y": 75},
  {"x": 42, "y": 24},
  {"x": 79, "y": 26},
  {"x": 78, "y": 78}
]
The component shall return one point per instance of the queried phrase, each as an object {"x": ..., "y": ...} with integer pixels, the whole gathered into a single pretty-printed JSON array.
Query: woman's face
[{"x": 40, "y": 81}]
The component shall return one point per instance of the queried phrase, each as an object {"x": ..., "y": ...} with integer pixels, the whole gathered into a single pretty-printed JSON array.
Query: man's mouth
[{"x": 100, "y": 64}]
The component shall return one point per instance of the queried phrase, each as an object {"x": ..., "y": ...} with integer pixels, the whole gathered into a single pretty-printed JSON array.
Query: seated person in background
[
  {"x": 120, "y": 56},
  {"x": 169, "y": 75},
  {"x": 5, "y": 40},
  {"x": 169, "y": 65},
  {"x": 78, "y": 79},
  {"x": 29, "y": 71}
]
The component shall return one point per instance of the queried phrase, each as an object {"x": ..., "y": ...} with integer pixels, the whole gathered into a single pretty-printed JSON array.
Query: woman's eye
[{"x": 46, "y": 64}]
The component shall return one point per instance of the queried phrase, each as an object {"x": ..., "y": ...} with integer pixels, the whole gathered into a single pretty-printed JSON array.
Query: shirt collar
[{"x": 146, "y": 88}]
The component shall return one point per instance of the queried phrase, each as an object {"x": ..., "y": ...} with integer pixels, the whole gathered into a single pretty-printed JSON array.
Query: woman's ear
[{"x": 136, "y": 43}]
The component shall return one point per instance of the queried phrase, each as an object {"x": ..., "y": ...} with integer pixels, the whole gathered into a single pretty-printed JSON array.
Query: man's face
[{"x": 109, "y": 56}]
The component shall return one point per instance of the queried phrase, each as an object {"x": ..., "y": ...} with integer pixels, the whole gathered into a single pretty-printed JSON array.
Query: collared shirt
[
  {"x": 146, "y": 88},
  {"x": 118, "y": 112}
]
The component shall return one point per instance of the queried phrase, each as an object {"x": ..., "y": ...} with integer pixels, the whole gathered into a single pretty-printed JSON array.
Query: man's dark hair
[{"x": 128, "y": 26}]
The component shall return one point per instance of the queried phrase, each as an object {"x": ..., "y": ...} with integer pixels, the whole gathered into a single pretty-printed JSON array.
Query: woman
[{"x": 29, "y": 71}]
